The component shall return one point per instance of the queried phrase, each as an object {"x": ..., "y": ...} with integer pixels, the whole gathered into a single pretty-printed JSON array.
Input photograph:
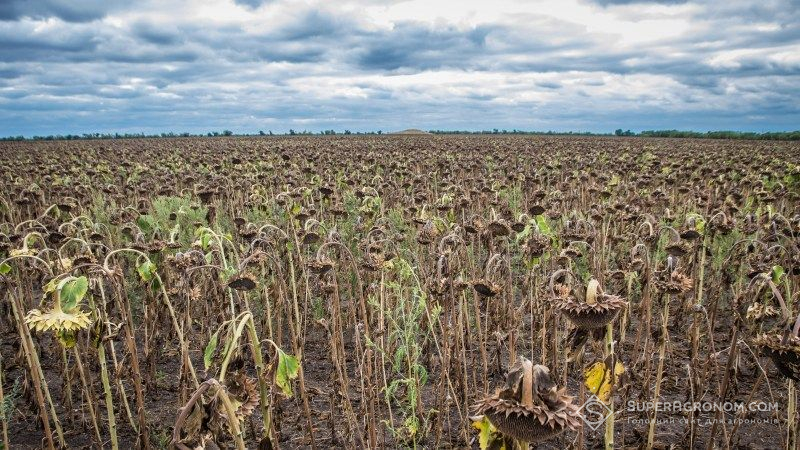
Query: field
[{"x": 407, "y": 291}]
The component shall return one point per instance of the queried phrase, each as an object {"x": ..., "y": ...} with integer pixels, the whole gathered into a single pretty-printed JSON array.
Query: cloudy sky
[{"x": 74, "y": 66}]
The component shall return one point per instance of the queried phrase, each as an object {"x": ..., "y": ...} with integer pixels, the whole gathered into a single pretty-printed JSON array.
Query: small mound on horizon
[{"x": 411, "y": 131}]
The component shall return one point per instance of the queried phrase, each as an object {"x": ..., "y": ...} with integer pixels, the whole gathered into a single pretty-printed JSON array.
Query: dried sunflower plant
[{"x": 398, "y": 292}]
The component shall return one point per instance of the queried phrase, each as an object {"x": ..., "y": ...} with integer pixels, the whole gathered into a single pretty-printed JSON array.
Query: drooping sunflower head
[
  {"x": 63, "y": 324},
  {"x": 57, "y": 320},
  {"x": 65, "y": 318}
]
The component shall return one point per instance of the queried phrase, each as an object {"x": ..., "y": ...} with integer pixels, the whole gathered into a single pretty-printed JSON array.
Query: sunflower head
[
  {"x": 63, "y": 324},
  {"x": 65, "y": 318},
  {"x": 57, "y": 320}
]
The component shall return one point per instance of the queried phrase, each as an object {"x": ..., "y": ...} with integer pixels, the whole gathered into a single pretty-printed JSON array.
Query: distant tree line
[
  {"x": 74, "y": 137},
  {"x": 515, "y": 131},
  {"x": 224, "y": 133},
  {"x": 775, "y": 135},
  {"x": 772, "y": 136}
]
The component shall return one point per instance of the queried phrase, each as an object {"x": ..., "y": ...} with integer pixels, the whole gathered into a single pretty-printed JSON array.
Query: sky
[{"x": 79, "y": 66}]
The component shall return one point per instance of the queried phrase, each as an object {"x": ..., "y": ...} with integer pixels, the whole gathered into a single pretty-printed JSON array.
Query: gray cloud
[
  {"x": 67, "y": 10},
  {"x": 549, "y": 84},
  {"x": 409, "y": 45},
  {"x": 107, "y": 67},
  {"x": 158, "y": 35},
  {"x": 315, "y": 24},
  {"x": 252, "y": 4}
]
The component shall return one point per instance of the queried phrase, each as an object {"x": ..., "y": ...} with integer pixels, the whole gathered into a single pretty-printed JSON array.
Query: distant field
[{"x": 376, "y": 291}]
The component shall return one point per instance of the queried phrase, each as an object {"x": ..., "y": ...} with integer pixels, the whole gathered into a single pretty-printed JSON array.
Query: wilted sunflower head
[
  {"x": 487, "y": 287},
  {"x": 57, "y": 320},
  {"x": 242, "y": 282},
  {"x": 498, "y": 228},
  {"x": 65, "y": 318},
  {"x": 677, "y": 283},
  {"x": 677, "y": 248},
  {"x": 530, "y": 407}
]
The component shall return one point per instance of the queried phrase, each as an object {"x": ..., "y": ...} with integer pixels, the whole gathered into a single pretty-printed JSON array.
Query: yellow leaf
[
  {"x": 598, "y": 379},
  {"x": 489, "y": 437},
  {"x": 595, "y": 377},
  {"x": 486, "y": 435}
]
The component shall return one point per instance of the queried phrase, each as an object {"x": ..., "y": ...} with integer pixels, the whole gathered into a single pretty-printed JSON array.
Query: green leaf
[
  {"x": 777, "y": 273},
  {"x": 544, "y": 227},
  {"x": 155, "y": 285},
  {"x": 145, "y": 223},
  {"x": 205, "y": 240},
  {"x": 208, "y": 353},
  {"x": 72, "y": 292},
  {"x": 146, "y": 270},
  {"x": 422, "y": 374},
  {"x": 67, "y": 338},
  {"x": 5, "y": 269},
  {"x": 227, "y": 274},
  {"x": 288, "y": 368},
  {"x": 399, "y": 357},
  {"x": 522, "y": 235}
]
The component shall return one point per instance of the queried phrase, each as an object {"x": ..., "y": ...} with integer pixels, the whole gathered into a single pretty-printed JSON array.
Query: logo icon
[{"x": 594, "y": 412}]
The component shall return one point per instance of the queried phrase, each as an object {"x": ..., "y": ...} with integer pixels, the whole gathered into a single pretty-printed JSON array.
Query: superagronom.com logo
[{"x": 594, "y": 412}]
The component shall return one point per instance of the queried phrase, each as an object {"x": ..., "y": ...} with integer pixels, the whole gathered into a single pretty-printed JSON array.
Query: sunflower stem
[
  {"x": 609, "y": 350},
  {"x": 112, "y": 423}
]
